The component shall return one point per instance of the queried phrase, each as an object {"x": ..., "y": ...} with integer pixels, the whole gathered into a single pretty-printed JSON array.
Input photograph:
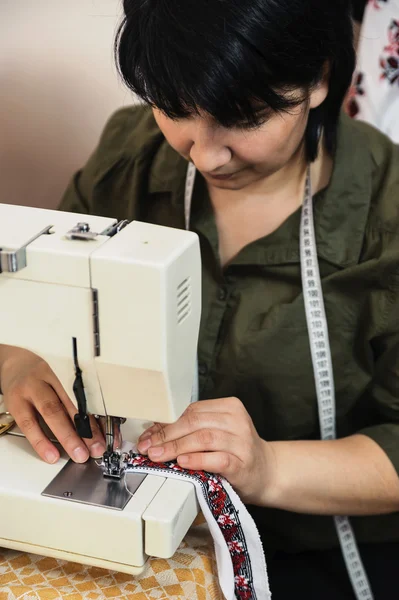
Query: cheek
[
  {"x": 173, "y": 132},
  {"x": 275, "y": 143},
  {"x": 288, "y": 136}
]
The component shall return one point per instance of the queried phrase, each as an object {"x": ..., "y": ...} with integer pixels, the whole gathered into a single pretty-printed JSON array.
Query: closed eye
[{"x": 261, "y": 117}]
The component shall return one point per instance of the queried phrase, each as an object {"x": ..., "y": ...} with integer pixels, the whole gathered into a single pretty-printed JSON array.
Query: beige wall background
[{"x": 58, "y": 86}]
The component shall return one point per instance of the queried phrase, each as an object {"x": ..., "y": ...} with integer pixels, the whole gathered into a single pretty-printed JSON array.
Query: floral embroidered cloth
[{"x": 374, "y": 96}]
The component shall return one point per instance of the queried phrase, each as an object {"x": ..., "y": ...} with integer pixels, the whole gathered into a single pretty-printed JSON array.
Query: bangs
[
  {"x": 183, "y": 64},
  {"x": 236, "y": 60}
]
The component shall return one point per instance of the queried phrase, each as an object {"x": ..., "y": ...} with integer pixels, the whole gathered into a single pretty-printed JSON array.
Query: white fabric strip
[{"x": 251, "y": 545}]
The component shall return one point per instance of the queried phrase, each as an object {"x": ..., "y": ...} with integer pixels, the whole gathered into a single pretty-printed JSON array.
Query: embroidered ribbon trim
[{"x": 239, "y": 552}]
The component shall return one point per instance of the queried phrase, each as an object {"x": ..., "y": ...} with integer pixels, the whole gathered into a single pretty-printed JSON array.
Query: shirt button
[
  {"x": 222, "y": 294},
  {"x": 202, "y": 368}
]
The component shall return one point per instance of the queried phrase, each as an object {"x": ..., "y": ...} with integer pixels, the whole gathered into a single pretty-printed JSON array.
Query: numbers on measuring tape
[{"x": 324, "y": 381}]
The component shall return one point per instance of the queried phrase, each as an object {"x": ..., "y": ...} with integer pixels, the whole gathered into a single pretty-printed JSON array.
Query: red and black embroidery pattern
[
  {"x": 356, "y": 89},
  {"x": 390, "y": 63},
  {"x": 225, "y": 515}
]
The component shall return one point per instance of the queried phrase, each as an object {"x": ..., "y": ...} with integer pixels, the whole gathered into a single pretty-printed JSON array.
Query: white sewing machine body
[{"x": 131, "y": 302}]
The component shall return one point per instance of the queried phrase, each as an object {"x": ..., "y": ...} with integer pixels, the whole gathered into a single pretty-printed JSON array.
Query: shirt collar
[{"x": 342, "y": 209}]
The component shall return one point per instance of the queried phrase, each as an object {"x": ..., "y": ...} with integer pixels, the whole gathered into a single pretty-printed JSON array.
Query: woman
[{"x": 249, "y": 92}]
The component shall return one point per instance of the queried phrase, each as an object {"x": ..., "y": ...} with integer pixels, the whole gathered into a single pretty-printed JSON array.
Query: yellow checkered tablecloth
[{"x": 191, "y": 574}]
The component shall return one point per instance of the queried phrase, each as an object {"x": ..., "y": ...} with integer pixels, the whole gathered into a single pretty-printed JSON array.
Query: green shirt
[{"x": 253, "y": 340}]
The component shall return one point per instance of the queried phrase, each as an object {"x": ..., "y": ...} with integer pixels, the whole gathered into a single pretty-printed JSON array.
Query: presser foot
[
  {"x": 113, "y": 464},
  {"x": 114, "y": 460}
]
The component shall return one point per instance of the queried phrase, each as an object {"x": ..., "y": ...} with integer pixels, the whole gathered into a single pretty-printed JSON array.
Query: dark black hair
[{"x": 226, "y": 57}]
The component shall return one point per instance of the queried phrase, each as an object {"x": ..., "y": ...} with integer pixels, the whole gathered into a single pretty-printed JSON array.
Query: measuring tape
[
  {"x": 321, "y": 360},
  {"x": 324, "y": 379}
]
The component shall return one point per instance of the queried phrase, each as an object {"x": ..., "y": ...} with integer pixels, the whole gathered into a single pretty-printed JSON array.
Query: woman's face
[{"x": 233, "y": 158}]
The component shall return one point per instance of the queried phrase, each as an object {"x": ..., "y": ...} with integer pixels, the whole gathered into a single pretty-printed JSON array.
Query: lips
[
  {"x": 225, "y": 176},
  {"x": 222, "y": 177}
]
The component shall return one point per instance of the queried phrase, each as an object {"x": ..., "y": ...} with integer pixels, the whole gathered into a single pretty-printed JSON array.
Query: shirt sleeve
[
  {"x": 384, "y": 391},
  {"x": 115, "y": 146},
  {"x": 78, "y": 197},
  {"x": 77, "y": 194}
]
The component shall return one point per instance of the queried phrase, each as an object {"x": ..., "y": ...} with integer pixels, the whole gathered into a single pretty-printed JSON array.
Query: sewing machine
[{"x": 114, "y": 308}]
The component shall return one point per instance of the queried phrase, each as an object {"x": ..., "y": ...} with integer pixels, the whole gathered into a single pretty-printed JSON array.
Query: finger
[
  {"x": 222, "y": 463},
  {"x": 95, "y": 444},
  {"x": 157, "y": 427},
  {"x": 188, "y": 423},
  {"x": 28, "y": 423},
  {"x": 150, "y": 430},
  {"x": 53, "y": 412},
  {"x": 117, "y": 437},
  {"x": 228, "y": 405},
  {"x": 204, "y": 440},
  {"x": 102, "y": 424},
  {"x": 52, "y": 380}
]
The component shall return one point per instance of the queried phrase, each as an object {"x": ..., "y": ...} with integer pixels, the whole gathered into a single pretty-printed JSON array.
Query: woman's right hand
[{"x": 30, "y": 389}]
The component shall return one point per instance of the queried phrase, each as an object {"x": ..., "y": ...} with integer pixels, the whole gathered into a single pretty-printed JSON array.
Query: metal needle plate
[{"x": 85, "y": 483}]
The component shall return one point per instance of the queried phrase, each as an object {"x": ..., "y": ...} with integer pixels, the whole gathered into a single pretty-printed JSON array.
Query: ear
[{"x": 320, "y": 90}]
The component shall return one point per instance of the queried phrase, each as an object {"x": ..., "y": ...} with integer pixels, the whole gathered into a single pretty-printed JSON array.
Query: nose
[{"x": 208, "y": 151}]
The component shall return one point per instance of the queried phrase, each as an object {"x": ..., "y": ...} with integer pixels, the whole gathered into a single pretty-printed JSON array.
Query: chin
[{"x": 227, "y": 185}]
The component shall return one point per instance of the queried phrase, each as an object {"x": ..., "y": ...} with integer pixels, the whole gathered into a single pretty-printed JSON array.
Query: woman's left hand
[{"x": 217, "y": 436}]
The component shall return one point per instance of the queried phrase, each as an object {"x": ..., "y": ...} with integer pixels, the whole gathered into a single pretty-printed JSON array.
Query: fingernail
[
  {"x": 51, "y": 457},
  {"x": 80, "y": 455},
  {"x": 97, "y": 450},
  {"x": 143, "y": 446},
  {"x": 145, "y": 436},
  {"x": 156, "y": 452}
]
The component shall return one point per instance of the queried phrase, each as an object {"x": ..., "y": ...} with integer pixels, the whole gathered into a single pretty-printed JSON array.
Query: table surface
[{"x": 191, "y": 574}]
